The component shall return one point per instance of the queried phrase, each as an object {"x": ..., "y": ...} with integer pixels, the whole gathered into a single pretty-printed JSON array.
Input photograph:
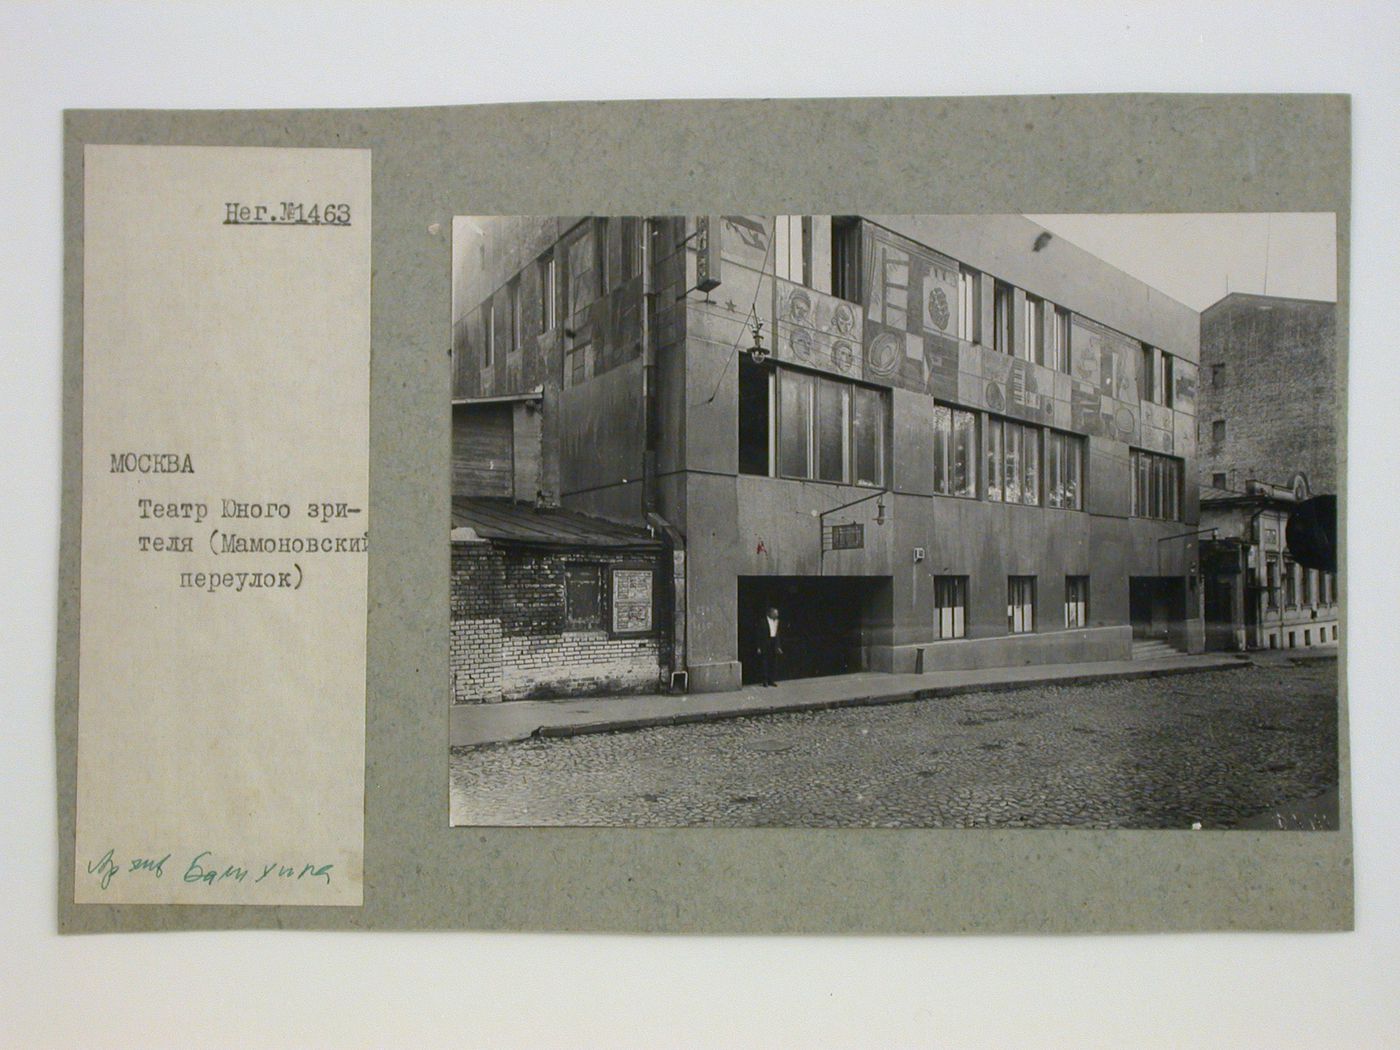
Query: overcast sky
[{"x": 1196, "y": 259}]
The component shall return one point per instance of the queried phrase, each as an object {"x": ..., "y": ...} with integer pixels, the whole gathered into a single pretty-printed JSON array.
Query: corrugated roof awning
[{"x": 520, "y": 524}]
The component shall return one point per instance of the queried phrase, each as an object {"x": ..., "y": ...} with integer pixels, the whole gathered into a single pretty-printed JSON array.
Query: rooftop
[{"x": 521, "y": 524}]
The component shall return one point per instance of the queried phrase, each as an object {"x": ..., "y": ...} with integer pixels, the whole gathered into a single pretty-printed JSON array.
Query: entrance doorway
[
  {"x": 826, "y": 622},
  {"x": 1157, "y": 606}
]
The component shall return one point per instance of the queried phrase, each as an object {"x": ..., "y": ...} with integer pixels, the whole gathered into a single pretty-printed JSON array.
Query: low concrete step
[{"x": 1154, "y": 649}]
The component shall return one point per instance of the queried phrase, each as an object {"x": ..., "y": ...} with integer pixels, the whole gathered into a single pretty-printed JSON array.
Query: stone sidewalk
[{"x": 472, "y": 725}]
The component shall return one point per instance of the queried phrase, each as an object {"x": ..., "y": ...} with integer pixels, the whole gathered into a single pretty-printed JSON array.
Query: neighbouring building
[
  {"x": 931, "y": 441},
  {"x": 1268, "y": 439},
  {"x": 1269, "y": 388},
  {"x": 1256, "y": 595}
]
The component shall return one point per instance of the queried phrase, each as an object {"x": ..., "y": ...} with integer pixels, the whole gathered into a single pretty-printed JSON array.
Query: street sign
[{"x": 847, "y": 537}]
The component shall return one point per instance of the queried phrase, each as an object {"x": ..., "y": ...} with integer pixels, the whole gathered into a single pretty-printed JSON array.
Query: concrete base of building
[
  {"x": 723, "y": 676},
  {"x": 1084, "y": 645}
]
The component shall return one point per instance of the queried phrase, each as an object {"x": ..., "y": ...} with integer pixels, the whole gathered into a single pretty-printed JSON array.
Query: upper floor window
[
  {"x": 1147, "y": 371},
  {"x": 513, "y": 314},
  {"x": 1031, "y": 344},
  {"x": 1057, "y": 348},
  {"x": 547, "y": 306},
  {"x": 1064, "y": 470},
  {"x": 489, "y": 349},
  {"x": 600, "y": 242},
  {"x": 1156, "y": 485},
  {"x": 969, "y": 305},
  {"x": 954, "y": 451},
  {"x": 1217, "y": 431},
  {"x": 1003, "y": 304},
  {"x": 632, "y": 233},
  {"x": 581, "y": 274},
  {"x": 827, "y": 429},
  {"x": 845, "y": 258},
  {"x": 1164, "y": 386},
  {"x": 1013, "y": 462},
  {"x": 792, "y": 248}
]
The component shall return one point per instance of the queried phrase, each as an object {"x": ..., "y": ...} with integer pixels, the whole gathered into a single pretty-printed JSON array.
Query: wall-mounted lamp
[
  {"x": 880, "y": 510},
  {"x": 758, "y": 352}
]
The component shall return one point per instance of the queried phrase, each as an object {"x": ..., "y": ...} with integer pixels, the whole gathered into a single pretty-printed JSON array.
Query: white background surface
[{"x": 337, "y": 990}]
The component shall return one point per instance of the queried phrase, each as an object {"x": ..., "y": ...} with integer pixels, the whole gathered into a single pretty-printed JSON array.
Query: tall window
[
  {"x": 950, "y": 606},
  {"x": 1064, "y": 470},
  {"x": 513, "y": 293},
  {"x": 1156, "y": 485},
  {"x": 1076, "y": 601},
  {"x": 1147, "y": 370},
  {"x": 581, "y": 275},
  {"x": 954, "y": 451},
  {"x": 600, "y": 243},
  {"x": 1032, "y": 342},
  {"x": 1058, "y": 348},
  {"x": 1020, "y": 604},
  {"x": 792, "y": 248},
  {"x": 1290, "y": 584},
  {"x": 1003, "y": 303},
  {"x": 489, "y": 310},
  {"x": 845, "y": 258},
  {"x": 1309, "y": 586},
  {"x": 1165, "y": 376},
  {"x": 1271, "y": 581},
  {"x": 828, "y": 430},
  {"x": 755, "y": 430},
  {"x": 632, "y": 228},
  {"x": 969, "y": 305},
  {"x": 547, "y": 309},
  {"x": 1013, "y": 462}
]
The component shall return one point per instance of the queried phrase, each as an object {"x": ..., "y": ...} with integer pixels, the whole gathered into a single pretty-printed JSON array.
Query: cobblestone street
[{"x": 1216, "y": 748}]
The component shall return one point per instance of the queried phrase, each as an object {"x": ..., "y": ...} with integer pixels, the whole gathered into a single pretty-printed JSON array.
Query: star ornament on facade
[{"x": 731, "y": 305}]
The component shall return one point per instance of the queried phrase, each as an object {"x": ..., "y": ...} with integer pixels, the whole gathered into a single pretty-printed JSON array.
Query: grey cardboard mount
[{"x": 1039, "y": 154}]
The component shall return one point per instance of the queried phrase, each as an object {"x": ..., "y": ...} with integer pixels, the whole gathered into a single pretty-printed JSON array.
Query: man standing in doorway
[{"x": 772, "y": 648}]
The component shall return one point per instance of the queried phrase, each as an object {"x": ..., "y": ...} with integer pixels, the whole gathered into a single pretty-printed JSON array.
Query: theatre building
[{"x": 932, "y": 442}]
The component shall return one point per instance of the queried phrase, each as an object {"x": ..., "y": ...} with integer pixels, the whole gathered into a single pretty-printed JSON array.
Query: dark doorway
[
  {"x": 826, "y": 621},
  {"x": 1157, "y": 606}
]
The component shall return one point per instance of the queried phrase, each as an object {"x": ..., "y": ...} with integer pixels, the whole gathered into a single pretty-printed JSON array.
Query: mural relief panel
[
  {"x": 1186, "y": 384},
  {"x": 817, "y": 330}
]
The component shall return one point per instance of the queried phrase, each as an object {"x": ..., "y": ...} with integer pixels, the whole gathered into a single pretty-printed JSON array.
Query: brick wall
[
  {"x": 509, "y": 640},
  {"x": 1268, "y": 370}
]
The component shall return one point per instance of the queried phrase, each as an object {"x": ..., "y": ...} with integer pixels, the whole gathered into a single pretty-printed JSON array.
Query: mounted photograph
[{"x": 906, "y": 521}]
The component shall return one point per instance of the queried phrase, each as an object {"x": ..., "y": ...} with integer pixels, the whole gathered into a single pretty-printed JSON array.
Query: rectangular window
[
  {"x": 1290, "y": 584},
  {"x": 1327, "y": 598},
  {"x": 583, "y": 597},
  {"x": 954, "y": 451},
  {"x": 1217, "y": 376},
  {"x": 1271, "y": 582},
  {"x": 868, "y": 436},
  {"x": 1013, "y": 462},
  {"x": 795, "y": 424},
  {"x": 1076, "y": 601},
  {"x": 547, "y": 309},
  {"x": 1217, "y": 431},
  {"x": 845, "y": 258},
  {"x": 1156, "y": 485},
  {"x": 1219, "y": 481},
  {"x": 1147, "y": 369},
  {"x": 1032, "y": 342},
  {"x": 828, "y": 430},
  {"x": 600, "y": 265},
  {"x": 1064, "y": 470},
  {"x": 581, "y": 285},
  {"x": 1166, "y": 379},
  {"x": 1020, "y": 604},
  {"x": 792, "y": 248},
  {"x": 513, "y": 292},
  {"x": 755, "y": 430},
  {"x": 950, "y": 606},
  {"x": 969, "y": 305},
  {"x": 833, "y": 429},
  {"x": 1059, "y": 339},
  {"x": 632, "y": 228},
  {"x": 489, "y": 307},
  {"x": 1003, "y": 302}
]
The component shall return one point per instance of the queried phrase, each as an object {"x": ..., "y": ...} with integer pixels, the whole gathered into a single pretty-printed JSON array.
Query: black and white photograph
[{"x": 906, "y": 521}]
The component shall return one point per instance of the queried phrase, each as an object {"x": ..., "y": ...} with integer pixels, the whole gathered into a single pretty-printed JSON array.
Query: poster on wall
[{"x": 631, "y": 601}]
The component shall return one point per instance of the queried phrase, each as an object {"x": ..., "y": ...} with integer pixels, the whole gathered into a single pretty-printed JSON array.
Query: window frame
[
  {"x": 1156, "y": 485},
  {"x": 1020, "y": 607},
  {"x": 813, "y": 382},
  {"x": 576, "y": 623},
  {"x": 947, "y": 460},
  {"x": 1062, "y": 440},
  {"x": 1003, "y": 318},
  {"x": 997, "y": 430},
  {"x": 1076, "y": 601},
  {"x": 969, "y": 304},
  {"x": 953, "y": 615}
]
